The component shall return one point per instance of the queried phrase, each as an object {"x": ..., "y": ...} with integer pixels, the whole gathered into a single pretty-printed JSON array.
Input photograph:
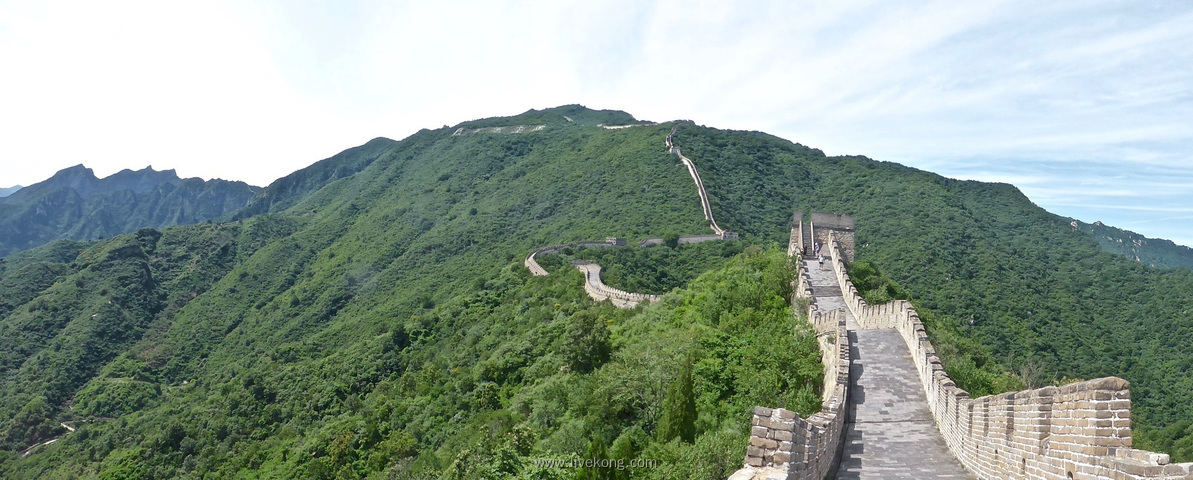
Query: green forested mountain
[
  {"x": 1153, "y": 252},
  {"x": 377, "y": 322},
  {"x": 1003, "y": 285},
  {"x": 290, "y": 189},
  {"x": 75, "y": 205},
  {"x": 384, "y": 324}
]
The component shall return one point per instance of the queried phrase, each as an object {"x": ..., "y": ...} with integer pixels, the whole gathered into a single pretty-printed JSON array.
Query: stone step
[
  {"x": 826, "y": 291},
  {"x": 889, "y": 432}
]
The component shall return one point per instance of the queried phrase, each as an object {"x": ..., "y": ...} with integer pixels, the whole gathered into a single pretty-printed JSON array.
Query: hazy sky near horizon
[{"x": 1087, "y": 106}]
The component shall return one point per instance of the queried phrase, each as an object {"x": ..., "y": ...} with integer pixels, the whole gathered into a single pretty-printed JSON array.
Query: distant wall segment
[
  {"x": 507, "y": 129},
  {"x": 601, "y": 292},
  {"x": 593, "y": 286},
  {"x": 532, "y": 263},
  {"x": 687, "y": 162}
]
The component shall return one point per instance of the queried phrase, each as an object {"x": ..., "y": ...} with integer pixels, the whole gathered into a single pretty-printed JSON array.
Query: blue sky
[{"x": 1086, "y": 106}]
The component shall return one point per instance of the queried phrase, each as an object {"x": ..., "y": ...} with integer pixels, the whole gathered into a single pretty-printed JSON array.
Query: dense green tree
[
  {"x": 372, "y": 326},
  {"x": 601, "y": 467},
  {"x": 671, "y": 240},
  {"x": 586, "y": 344},
  {"x": 679, "y": 408}
]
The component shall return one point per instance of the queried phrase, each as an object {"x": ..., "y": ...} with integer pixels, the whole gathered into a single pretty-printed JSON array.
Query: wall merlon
[
  {"x": 1081, "y": 428},
  {"x": 804, "y": 448}
]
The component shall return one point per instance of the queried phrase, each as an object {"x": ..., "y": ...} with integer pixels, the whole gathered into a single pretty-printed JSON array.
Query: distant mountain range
[
  {"x": 371, "y": 316},
  {"x": 74, "y": 204},
  {"x": 1154, "y": 252},
  {"x": 6, "y": 191}
]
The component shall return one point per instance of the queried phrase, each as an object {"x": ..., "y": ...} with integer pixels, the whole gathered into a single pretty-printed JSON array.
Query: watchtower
[{"x": 816, "y": 230}]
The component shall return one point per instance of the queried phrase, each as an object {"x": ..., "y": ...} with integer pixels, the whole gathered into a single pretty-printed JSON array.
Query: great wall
[
  {"x": 687, "y": 162},
  {"x": 889, "y": 410},
  {"x": 601, "y": 292},
  {"x": 510, "y": 130},
  {"x": 593, "y": 285}
]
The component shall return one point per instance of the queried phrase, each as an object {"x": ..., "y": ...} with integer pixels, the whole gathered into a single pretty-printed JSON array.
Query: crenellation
[
  {"x": 1080, "y": 430},
  {"x": 781, "y": 441}
]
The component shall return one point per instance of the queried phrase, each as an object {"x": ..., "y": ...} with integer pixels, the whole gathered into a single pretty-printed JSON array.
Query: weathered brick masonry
[
  {"x": 598, "y": 291},
  {"x": 783, "y": 445},
  {"x": 1077, "y": 431}
]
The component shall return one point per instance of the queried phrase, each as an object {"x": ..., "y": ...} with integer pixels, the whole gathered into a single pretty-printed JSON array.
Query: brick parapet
[
  {"x": 600, "y": 292},
  {"x": 1079, "y": 431},
  {"x": 795, "y": 243},
  {"x": 593, "y": 285},
  {"x": 781, "y": 442},
  {"x": 532, "y": 263}
]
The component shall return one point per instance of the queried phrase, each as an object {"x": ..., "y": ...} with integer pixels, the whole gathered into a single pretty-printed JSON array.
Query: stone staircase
[
  {"x": 806, "y": 240},
  {"x": 889, "y": 431},
  {"x": 891, "y": 411}
]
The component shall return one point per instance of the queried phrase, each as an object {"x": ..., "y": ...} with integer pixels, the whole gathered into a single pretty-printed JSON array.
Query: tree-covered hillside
[
  {"x": 75, "y": 205},
  {"x": 1153, "y": 252},
  {"x": 378, "y": 323},
  {"x": 999, "y": 280},
  {"x": 384, "y": 325}
]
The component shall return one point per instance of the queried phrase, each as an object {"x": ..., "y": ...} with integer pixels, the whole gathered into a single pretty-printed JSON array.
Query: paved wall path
[
  {"x": 27, "y": 451},
  {"x": 889, "y": 432},
  {"x": 592, "y": 272},
  {"x": 687, "y": 162},
  {"x": 601, "y": 292}
]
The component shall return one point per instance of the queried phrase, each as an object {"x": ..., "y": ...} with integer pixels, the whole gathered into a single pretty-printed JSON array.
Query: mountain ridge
[
  {"x": 1154, "y": 252},
  {"x": 75, "y": 204},
  {"x": 381, "y": 323},
  {"x": 290, "y": 189}
]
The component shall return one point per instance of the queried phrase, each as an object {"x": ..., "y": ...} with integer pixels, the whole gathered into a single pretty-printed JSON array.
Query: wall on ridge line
[
  {"x": 601, "y": 292},
  {"x": 1078, "y": 431},
  {"x": 700, "y": 238},
  {"x": 532, "y": 263},
  {"x": 537, "y": 270},
  {"x": 781, "y": 443}
]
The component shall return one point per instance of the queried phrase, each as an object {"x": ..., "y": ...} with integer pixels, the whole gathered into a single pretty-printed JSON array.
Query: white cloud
[{"x": 1037, "y": 94}]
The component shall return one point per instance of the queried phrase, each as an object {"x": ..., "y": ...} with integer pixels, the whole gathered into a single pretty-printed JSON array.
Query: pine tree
[
  {"x": 588, "y": 347},
  {"x": 601, "y": 469},
  {"x": 679, "y": 408}
]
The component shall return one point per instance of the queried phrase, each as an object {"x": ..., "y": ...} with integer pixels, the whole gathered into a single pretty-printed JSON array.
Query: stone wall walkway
[
  {"x": 687, "y": 162},
  {"x": 600, "y": 292},
  {"x": 826, "y": 294},
  {"x": 889, "y": 432}
]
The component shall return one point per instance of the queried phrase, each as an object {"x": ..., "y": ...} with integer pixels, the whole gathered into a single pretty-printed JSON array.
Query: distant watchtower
[{"x": 816, "y": 230}]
